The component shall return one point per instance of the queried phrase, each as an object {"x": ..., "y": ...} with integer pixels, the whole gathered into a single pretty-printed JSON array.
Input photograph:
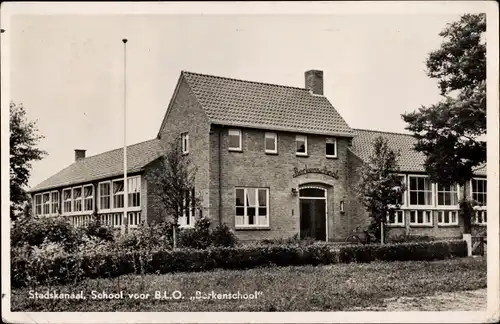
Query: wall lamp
[
  {"x": 342, "y": 206},
  {"x": 294, "y": 191}
]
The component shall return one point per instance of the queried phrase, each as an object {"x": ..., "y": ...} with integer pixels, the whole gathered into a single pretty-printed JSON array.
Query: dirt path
[{"x": 473, "y": 300}]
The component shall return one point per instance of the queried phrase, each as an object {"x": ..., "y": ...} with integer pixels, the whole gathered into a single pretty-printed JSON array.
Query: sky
[{"x": 67, "y": 70}]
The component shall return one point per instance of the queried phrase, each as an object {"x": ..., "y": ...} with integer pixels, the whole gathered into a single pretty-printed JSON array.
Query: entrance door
[{"x": 313, "y": 213}]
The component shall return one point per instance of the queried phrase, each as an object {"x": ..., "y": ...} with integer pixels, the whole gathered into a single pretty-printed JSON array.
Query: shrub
[
  {"x": 416, "y": 251},
  {"x": 62, "y": 268},
  {"x": 222, "y": 235},
  {"x": 410, "y": 238},
  {"x": 99, "y": 230},
  {"x": 34, "y": 231},
  {"x": 144, "y": 237},
  {"x": 197, "y": 237}
]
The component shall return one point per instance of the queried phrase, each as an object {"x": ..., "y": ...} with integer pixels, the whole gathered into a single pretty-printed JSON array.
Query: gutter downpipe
[{"x": 220, "y": 177}]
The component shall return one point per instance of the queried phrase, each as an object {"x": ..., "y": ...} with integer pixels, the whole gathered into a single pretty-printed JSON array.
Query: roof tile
[{"x": 104, "y": 165}]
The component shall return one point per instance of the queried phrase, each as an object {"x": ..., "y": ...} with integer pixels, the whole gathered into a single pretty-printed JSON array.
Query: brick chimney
[
  {"x": 314, "y": 81},
  {"x": 79, "y": 155}
]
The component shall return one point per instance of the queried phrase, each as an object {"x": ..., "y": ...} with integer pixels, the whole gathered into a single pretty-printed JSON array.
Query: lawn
[{"x": 337, "y": 287}]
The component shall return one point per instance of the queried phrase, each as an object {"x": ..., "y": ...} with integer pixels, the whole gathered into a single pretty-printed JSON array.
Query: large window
[
  {"x": 331, "y": 148},
  {"x": 252, "y": 207},
  {"x": 271, "y": 143},
  {"x": 38, "y": 204},
  {"x": 420, "y": 191},
  {"x": 54, "y": 202},
  {"x": 67, "y": 201},
  {"x": 301, "y": 144},
  {"x": 77, "y": 199},
  {"x": 447, "y": 196},
  {"x": 189, "y": 209},
  {"x": 134, "y": 191},
  {"x": 235, "y": 140},
  {"x": 479, "y": 190},
  {"x": 185, "y": 143},
  {"x": 88, "y": 198},
  {"x": 118, "y": 191},
  {"x": 105, "y": 195},
  {"x": 112, "y": 194},
  {"x": 46, "y": 203},
  {"x": 421, "y": 217},
  {"x": 447, "y": 217}
]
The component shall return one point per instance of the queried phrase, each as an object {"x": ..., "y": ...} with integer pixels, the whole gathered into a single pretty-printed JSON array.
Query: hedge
[{"x": 67, "y": 269}]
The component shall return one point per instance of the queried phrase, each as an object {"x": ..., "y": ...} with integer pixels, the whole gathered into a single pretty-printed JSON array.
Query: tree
[
  {"x": 450, "y": 132},
  {"x": 24, "y": 139},
  {"x": 379, "y": 186},
  {"x": 172, "y": 185}
]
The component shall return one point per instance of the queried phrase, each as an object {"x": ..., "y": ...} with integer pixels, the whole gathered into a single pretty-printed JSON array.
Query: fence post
[{"x": 468, "y": 240}]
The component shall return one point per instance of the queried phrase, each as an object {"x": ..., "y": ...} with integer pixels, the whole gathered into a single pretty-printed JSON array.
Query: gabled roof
[
  {"x": 409, "y": 159},
  {"x": 242, "y": 103},
  {"x": 104, "y": 165}
]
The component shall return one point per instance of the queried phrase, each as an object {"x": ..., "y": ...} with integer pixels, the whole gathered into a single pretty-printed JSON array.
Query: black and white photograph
[{"x": 250, "y": 162}]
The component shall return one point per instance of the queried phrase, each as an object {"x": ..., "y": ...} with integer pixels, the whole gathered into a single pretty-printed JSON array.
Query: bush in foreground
[{"x": 62, "y": 269}]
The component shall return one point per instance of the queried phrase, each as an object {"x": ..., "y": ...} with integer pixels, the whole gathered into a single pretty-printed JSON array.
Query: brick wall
[
  {"x": 254, "y": 168},
  {"x": 186, "y": 115}
]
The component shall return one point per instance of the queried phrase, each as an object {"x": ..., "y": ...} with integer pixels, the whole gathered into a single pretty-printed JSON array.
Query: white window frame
[
  {"x": 40, "y": 204},
  {"x": 304, "y": 138},
  {"x": 257, "y": 206},
  {"x": 87, "y": 198},
  {"x": 440, "y": 217},
  {"x": 396, "y": 223},
  {"x": 471, "y": 193},
  {"x": 274, "y": 136},
  {"x": 476, "y": 217},
  {"x": 330, "y": 140},
  {"x": 63, "y": 200},
  {"x": 130, "y": 187},
  {"x": 52, "y": 203},
  {"x": 73, "y": 200},
  {"x": 432, "y": 202},
  {"x": 424, "y": 223},
  {"x": 436, "y": 199},
  {"x": 185, "y": 146},
  {"x": 110, "y": 196},
  {"x": 46, "y": 204},
  {"x": 113, "y": 194},
  {"x": 235, "y": 132}
]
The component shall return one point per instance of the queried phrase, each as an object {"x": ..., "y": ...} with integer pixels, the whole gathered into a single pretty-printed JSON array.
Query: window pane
[
  {"x": 420, "y": 217},
  {"x": 270, "y": 144},
  {"x": 330, "y": 149},
  {"x": 300, "y": 144},
  {"x": 413, "y": 198},
  {"x": 240, "y": 197},
  {"x": 412, "y": 216},
  {"x": 234, "y": 139},
  {"x": 251, "y": 215},
  {"x": 251, "y": 201},
  {"x": 440, "y": 198},
  {"x": 240, "y": 211},
  {"x": 311, "y": 192},
  {"x": 262, "y": 197},
  {"x": 413, "y": 183}
]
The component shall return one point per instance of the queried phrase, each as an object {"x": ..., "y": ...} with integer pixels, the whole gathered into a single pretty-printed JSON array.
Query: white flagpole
[{"x": 125, "y": 184}]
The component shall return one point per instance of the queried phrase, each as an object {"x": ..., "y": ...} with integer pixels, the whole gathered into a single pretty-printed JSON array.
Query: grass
[{"x": 323, "y": 288}]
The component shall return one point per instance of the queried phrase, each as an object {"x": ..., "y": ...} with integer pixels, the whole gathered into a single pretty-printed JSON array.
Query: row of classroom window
[
  {"x": 270, "y": 143},
  {"x": 252, "y": 204},
  {"x": 80, "y": 199}
]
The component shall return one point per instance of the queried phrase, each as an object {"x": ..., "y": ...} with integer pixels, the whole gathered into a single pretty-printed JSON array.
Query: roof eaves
[
  {"x": 64, "y": 184},
  {"x": 277, "y": 128}
]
